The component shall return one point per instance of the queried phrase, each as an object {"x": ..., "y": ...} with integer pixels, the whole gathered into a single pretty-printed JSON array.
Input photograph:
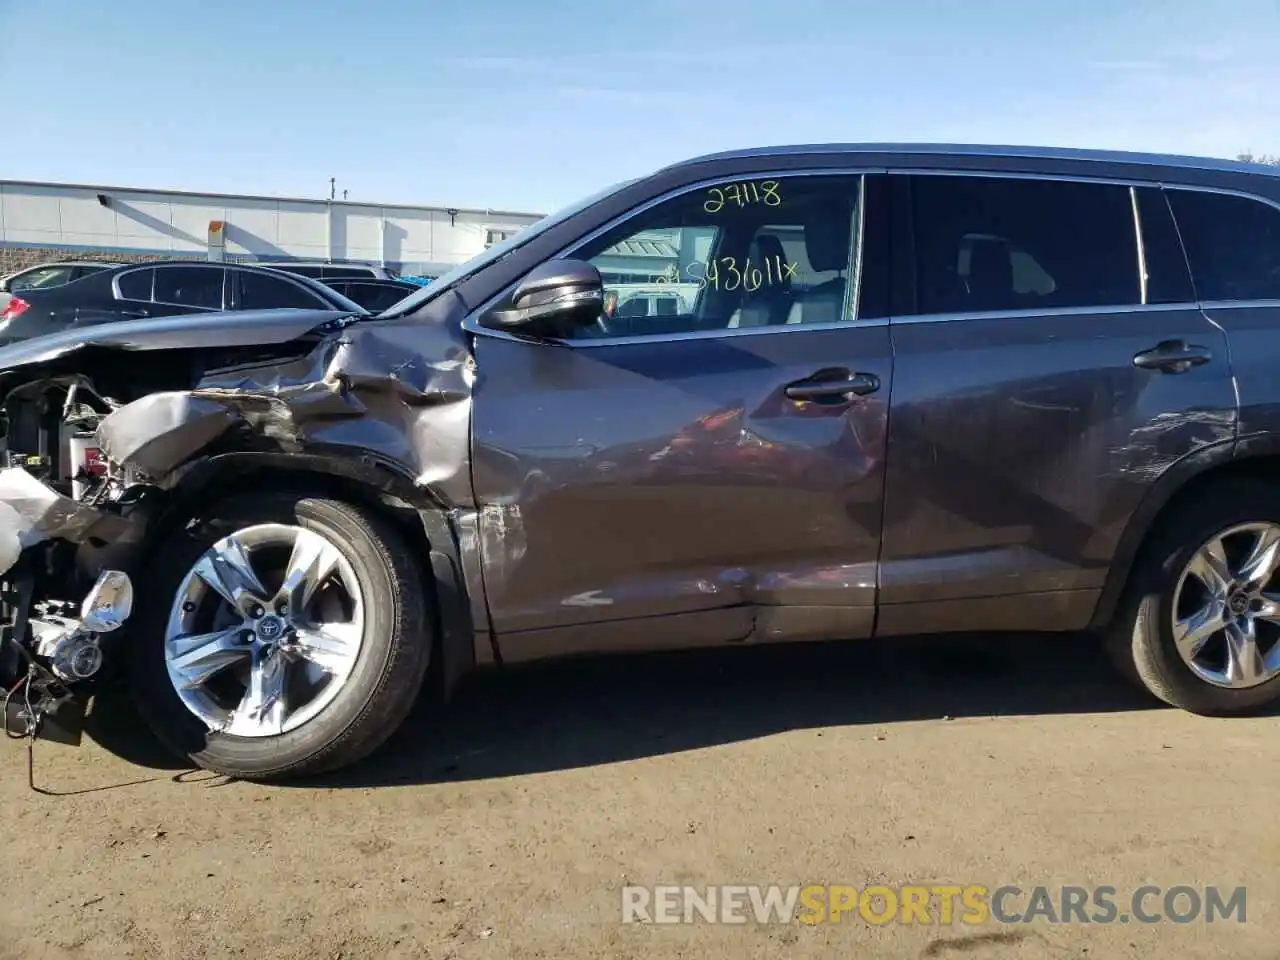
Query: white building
[{"x": 47, "y": 221}]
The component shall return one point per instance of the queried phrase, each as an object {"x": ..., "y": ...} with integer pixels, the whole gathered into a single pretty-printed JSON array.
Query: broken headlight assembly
[{"x": 52, "y": 482}]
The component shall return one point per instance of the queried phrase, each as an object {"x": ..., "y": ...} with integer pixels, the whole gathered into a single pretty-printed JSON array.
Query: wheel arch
[
  {"x": 1187, "y": 479},
  {"x": 369, "y": 481}
]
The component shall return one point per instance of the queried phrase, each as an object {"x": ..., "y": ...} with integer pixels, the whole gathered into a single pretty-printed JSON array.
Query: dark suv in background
[{"x": 905, "y": 389}]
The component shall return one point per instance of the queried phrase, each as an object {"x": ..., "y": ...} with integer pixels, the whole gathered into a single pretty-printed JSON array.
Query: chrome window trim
[
  {"x": 471, "y": 325},
  {"x": 1224, "y": 191},
  {"x": 689, "y": 334},
  {"x": 115, "y": 283},
  {"x": 1143, "y": 278},
  {"x": 1273, "y": 304},
  {"x": 1023, "y": 175},
  {"x": 850, "y": 309},
  {"x": 898, "y": 321}
]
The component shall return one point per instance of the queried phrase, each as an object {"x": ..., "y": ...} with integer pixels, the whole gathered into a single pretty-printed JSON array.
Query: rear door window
[
  {"x": 372, "y": 296},
  {"x": 1232, "y": 244},
  {"x": 190, "y": 286},
  {"x": 993, "y": 243},
  {"x": 261, "y": 291}
]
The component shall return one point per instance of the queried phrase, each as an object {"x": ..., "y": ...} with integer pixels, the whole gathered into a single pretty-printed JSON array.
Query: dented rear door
[{"x": 1051, "y": 365}]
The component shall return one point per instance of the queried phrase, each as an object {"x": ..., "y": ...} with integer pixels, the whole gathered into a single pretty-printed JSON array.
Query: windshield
[{"x": 498, "y": 251}]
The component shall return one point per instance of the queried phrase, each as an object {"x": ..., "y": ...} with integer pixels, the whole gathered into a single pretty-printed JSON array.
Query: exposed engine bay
[
  {"x": 60, "y": 504},
  {"x": 107, "y": 436}
]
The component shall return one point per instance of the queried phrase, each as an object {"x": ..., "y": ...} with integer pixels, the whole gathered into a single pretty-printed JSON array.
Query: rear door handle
[
  {"x": 858, "y": 384},
  {"x": 1172, "y": 356}
]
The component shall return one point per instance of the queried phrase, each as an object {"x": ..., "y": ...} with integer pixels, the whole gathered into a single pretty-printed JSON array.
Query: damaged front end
[
  {"x": 111, "y": 436},
  {"x": 63, "y": 517}
]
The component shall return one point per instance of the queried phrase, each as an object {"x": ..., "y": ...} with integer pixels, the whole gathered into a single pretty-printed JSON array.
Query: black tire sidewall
[{"x": 371, "y": 558}]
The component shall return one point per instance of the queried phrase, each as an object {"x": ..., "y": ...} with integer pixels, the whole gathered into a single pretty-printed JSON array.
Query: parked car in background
[
  {"x": 45, "y": 275},
  {"x": 319, "y": 270},
  {"x": 653, "y": 299},
  {"x": 374, "y": 295},
  {"x": 162, "y": 289}
]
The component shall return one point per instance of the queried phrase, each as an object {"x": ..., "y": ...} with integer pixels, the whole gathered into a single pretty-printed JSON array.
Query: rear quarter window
[
  {"x": 1232, "y": 244},
  {"x": 135, "y": 284}
]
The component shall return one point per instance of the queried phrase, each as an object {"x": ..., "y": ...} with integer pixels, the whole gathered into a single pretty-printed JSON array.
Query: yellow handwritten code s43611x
[
  {"x": 739, "y": 195},
  {"x": 726, "y": 274}
]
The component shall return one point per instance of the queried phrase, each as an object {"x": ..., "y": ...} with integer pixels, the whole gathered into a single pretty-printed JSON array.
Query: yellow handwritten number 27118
[{"x": 742, "y": 195}]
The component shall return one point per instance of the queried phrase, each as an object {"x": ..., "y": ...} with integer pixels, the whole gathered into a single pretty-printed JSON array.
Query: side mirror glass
[
  {"x": 108, "y": 604},
  {"x": 557, "y": 295}
]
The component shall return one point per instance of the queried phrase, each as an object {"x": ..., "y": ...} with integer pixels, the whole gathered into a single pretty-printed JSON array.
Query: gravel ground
[{"x": 507, "y": 824}]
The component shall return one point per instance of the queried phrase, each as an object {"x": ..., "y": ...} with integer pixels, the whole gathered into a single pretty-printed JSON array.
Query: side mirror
[
  {"x": 559, "y": 294},
  {"x": 108, "y": 604},
  {"x": 4, "y": 285}
]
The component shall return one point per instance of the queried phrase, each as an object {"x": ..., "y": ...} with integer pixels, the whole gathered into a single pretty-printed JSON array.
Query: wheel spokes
[
  {"x": 331, "y": 646},
  {"x": 226, "y": 568},
  {"x": 1260, "y": 565},
  {"x": 262, "y": 709},
  {"x": 311, "y": 563},
  {"x": 291, "y": 657},
  {"x": 1191, "y": 633},
  {"x": 198, "y": 657},
  {"x": 1211, "y": 568},
  {"x": 1244, "y": 658}
]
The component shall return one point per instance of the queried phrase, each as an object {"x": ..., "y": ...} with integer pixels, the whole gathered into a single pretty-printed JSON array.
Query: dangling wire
[
  {"x": 25, "y": 683},
  {"x": 32, "y": 723}
]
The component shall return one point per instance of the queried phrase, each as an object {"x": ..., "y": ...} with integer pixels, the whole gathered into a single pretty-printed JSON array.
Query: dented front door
[{"x": 709, "y": 475}]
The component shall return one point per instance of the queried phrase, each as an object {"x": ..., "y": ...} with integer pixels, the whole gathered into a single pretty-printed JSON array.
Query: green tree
[{"x": 1268, "y": 158}]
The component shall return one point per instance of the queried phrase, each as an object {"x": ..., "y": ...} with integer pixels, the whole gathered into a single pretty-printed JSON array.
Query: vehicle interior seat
[
  {"x": 826, "y": 244},
  {"x": 990, "y": 280},
  {"x": 771, "y": 304}
]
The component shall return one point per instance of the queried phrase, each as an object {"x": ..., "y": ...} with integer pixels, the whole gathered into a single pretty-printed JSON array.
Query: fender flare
[{"x": 1181, "y": 480}]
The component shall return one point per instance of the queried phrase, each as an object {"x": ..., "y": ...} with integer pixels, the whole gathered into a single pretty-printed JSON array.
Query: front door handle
[
  {"x": 857, "y": 384},
  {"x": 1172, "y": 356}
]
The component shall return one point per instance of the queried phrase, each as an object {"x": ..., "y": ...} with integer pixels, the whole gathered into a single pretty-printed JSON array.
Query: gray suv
[{"x": 907, "y": 389}]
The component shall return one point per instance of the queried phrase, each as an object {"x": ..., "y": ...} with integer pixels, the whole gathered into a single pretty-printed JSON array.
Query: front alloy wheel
[
  {"x": 280, "y": 635},
  {"x": 258, "y": 661}
]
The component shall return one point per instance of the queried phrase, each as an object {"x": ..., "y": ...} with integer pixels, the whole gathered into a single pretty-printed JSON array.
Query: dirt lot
[{"x": 506, "y": 826}]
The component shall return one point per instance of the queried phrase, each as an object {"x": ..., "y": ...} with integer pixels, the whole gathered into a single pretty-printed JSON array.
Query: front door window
[{"x": 772, "y": 251}]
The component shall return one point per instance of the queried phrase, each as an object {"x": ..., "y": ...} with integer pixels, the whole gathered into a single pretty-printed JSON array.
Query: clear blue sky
[{"x": 529, "y": 104}]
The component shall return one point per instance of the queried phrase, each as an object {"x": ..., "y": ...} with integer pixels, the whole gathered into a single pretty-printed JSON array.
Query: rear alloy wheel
[
  {"x": 1226, "y": 612},
  {"x": 1200, "y": 627},
  {"x": 284, "y": 636}
]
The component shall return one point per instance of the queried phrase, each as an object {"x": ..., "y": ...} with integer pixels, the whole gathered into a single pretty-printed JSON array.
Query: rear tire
[
  {"x": 1141, "y": 640},
  {"x": 380, "y": 683}
]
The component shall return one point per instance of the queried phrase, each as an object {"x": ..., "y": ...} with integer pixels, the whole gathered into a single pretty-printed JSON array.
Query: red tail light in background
[{"x": 16, "y": 308}]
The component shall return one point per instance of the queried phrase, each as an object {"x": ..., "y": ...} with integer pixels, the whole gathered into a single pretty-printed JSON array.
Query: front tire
[
  {"x": 1199, "y": 626},
  {"x": 280, "y": 636}
]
